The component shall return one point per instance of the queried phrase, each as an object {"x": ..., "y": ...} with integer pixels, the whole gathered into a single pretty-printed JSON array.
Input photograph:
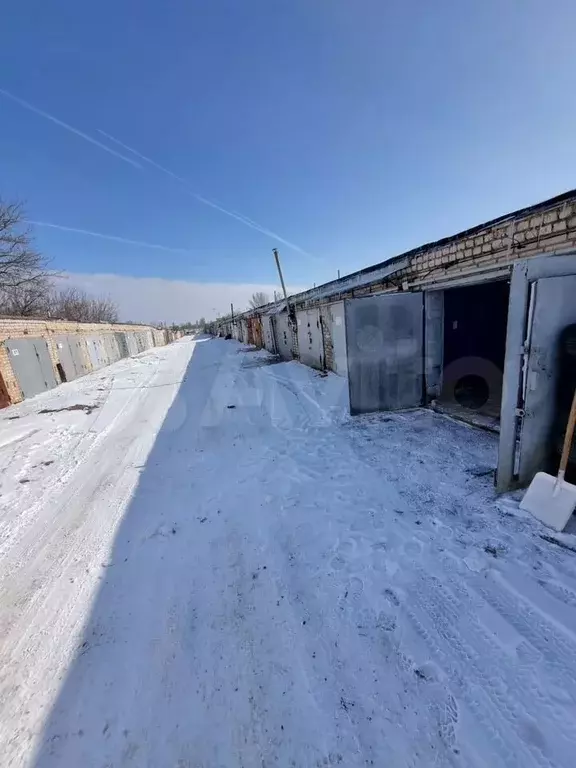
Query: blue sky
[{"x": 354, "y": 130}]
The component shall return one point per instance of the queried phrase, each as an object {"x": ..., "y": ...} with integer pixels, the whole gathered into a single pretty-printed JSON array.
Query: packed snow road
[{"x": 209, "y": 565}]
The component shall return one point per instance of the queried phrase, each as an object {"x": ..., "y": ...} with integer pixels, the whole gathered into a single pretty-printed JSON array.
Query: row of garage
[
  {"x": 34, "y": 364},
  {"x": 496, "y": 347},
  {"x": 315, "y": 336}
]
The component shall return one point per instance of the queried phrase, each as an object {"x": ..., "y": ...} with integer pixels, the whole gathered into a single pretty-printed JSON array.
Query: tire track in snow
[{"x": 35, "y": 599}]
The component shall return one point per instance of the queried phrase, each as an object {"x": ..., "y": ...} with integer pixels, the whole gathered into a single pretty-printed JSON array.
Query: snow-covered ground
[{"x": 212, "y": 566}]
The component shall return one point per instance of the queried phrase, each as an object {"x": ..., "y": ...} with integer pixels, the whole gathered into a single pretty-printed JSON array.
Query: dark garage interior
[{"x": 474, "y": 348}]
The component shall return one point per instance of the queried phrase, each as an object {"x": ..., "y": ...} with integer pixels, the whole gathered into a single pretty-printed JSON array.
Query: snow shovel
[{"x": 551, "y": 499}]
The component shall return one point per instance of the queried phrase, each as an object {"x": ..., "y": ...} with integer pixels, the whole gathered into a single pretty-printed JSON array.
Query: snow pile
[{"x": 246, "y": 576}]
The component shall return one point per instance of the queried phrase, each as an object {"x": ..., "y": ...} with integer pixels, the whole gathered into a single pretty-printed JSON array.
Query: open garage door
[
  {"x": 553, "y": 308},
  {"x": 536, "y": 394},
  {"x": 384, "y": 336}
]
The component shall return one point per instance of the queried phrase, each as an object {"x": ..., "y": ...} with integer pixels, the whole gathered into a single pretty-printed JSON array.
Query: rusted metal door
[
  {"x": 4, "y": 396},
  {"x": 255, "y": 332}
]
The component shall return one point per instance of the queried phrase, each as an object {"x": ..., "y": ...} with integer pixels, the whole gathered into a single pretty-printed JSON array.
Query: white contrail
[
  {"x": 147, "y": 160},
  {"x": 252, "y": 224},
  {"x": 234, "y": 215},
  {"x": 62, "y": 124},
  {"x": 238, "y": 216},
  {"x": 109, "y": 237}
]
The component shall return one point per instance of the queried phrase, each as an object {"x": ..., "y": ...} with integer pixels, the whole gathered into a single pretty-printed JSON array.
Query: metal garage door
[
  {"x": 96, "y": 351},
  {"x": 132, "y": 344},
  {"x": 79, "y": 351},
  {"x": 140, "y": 341},
  {"x": 268, "y": 334},
  {"x": 310, "y": 341},
  {"x": 122, "y": 344},
  {"x": 384, "y": 336},
  {"x": 542, "y": 304},
  {"x": 283, "y": 336},
  {"x": 111, "y": 347},
  {"x": 32, "y": 365},
  {"x": 65, "y": 357},
  {"x": 338, "y": 334},
  {"x": 554, "y": 307}
]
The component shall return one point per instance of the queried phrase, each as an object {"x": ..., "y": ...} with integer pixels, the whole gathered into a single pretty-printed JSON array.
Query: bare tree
[
  {"x": 104, "y": 310},
  {"x": 26, "y": 286},
  {"x": 29, "y": 299},
  {"x": 20, "y": 263},
  {"x": 259, "y": 299},
  {"x": 77, "y": 305}
]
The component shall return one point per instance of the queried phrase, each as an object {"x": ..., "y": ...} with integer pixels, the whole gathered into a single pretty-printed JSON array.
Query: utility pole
[
  {"x": 279, "y": 268},
  {"x": 338, "y": 274},
  {"x": 232, "y": 311}
]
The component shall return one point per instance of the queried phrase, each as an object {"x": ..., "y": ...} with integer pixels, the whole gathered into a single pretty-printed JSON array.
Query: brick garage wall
[
  {"x": 48, "y": 329},
  {"x": 294, "y": 336},
  {"x": 550, "y": 229}
]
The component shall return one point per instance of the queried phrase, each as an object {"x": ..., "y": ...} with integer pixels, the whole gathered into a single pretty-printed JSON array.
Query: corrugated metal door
[
  {"x": 65, "y": 357},
  {"x": 384, "y": 338},
  {"x": 553, "y": 307},
  {"x": 338, "y": 334},
  {"x": 283, "y": 335},
  {"x": 32, "y": 365},
  {"x": 268, "y": 334},
  {"x": 310, "y": 342}
]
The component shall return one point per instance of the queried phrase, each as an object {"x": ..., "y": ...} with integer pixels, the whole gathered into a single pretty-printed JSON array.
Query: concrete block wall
[{"x": 18, "y": 328}]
